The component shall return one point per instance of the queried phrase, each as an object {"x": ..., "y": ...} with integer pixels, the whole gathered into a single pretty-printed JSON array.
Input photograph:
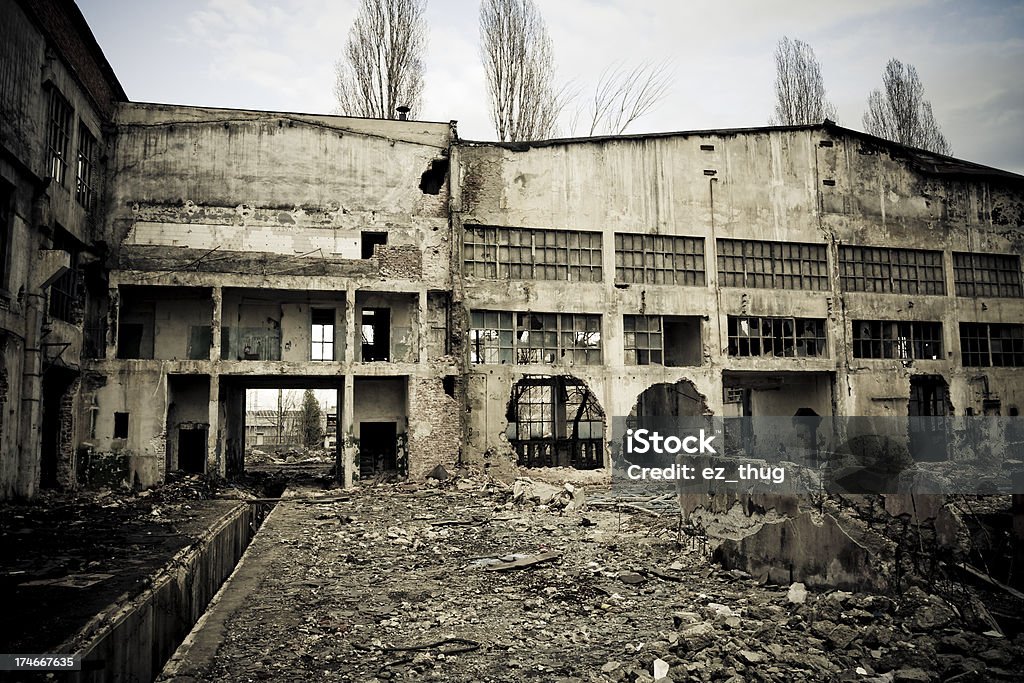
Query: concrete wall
[
  {"x": 44, "y": 45},
  {"x": 821, "y": 185},
  {"x": 266, "y": 210}
]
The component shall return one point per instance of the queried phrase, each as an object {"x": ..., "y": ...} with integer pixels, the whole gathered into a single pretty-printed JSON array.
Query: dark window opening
[
  {"x": 432, "y": 179},
  {"x": 991, "y": 345},
  {"x": 673, "y": 341},
  {"x": 927, "y": 408},
  {"x": 555, "y": 422},
  {"x": 897, "y": 339},
  {"x": 129, "y": 341},
  {"x": 787, "y": 337},
  {"x": 371, "y": 240},
  {"x": 120, "y": 425},
  {"x": 448, "y": 383},
  {"x": 322, "y": 334},
  {"x": 376, "y": 334}
]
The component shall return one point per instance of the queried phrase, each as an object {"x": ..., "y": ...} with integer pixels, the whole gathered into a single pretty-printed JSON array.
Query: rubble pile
[{"x": 465, "y": 578}]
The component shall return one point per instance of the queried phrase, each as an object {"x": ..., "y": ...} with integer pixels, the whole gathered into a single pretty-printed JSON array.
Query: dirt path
[{"x": 341, "y": 590}]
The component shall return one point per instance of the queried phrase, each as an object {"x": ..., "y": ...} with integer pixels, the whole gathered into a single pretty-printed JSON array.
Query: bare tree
[
  {"x": 382, "y": 66},
  {"x": 516, "y": 51},
  {"x": 899, "y": 112},
  {"x": 799, "y": 87},
  {"x": 622, "y": 96}
]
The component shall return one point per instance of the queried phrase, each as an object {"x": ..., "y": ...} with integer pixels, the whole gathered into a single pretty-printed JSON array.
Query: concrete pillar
[
  {"x": 216, "y": 460},
  {"x": 113, "y": 322},
  {"x": 352, "y": 338},
  {"x": 217, "y": 295},
  {"x": 347, "y": 422},
  {"x": 422, "y": 328}
]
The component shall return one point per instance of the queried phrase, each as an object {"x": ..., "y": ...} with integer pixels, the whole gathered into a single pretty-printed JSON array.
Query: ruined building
[{"x": 478, "y": 302}]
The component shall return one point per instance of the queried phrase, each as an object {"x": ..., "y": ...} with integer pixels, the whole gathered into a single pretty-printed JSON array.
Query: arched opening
[{"x": 555, "y": 421}]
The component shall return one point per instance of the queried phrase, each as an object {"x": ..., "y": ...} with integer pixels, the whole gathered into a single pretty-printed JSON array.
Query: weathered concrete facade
[
  {"x": 469, "y": 302},
  {"x": 257, "y": 249},
  {"x": 730, "y": 198},
  {"x": 57, "y": 94}
]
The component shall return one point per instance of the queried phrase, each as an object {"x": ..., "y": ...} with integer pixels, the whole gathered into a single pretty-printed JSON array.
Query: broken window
[
  {"x": 772, "y": 265},
  {"x": 322, "y": 334},
  {"x": 570, "y": 338},
  {"x": 555, "y": 422},
  {"x": 371, "y": 240},
  {"x": 897, "y": 339},
  {"x": 661, "y": 340},
  {"x": 532, "y": 254},
  {"x": 659, "y": 259},
  {"x": 85, "y": 179},
  {"x": 899, "y": 271},
  {"x": 376, "y": 334},
  {"x": 986, "y": 274},
  {"x": 991, "y": 345},
  {"x": 120, "y": 425},
  {"x": 58, "y": 135},
  {"x": 491, "y": 337},
  {"x": 784, "y": 337}
]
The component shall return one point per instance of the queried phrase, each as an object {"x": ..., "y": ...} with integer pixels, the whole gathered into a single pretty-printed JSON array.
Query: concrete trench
[{"x": 134, "y": 637}]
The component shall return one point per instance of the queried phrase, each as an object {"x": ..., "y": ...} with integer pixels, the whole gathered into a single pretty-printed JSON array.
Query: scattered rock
[{"x": 797, "y": 593}]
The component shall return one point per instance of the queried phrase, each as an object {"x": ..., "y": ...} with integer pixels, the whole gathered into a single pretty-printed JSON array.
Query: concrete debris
[
  {"x": 568, "y": 497},
  {"x": 440, "y": 473},
  {"x": 797, "y": 593}
]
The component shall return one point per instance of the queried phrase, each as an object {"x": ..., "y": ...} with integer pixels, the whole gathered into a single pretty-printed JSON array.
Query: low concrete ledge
[{"x": 133, "y": 638}]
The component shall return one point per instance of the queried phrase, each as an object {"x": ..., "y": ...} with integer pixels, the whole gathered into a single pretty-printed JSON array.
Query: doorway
[
  {"x": 378, "y": 447},
  {"x": 192, "y": 450}
]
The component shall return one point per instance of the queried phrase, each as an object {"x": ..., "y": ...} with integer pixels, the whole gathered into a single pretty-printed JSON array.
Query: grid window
[
  {"x": 643, "y": 340},
  {"x": 992, "y": 345},
  {"x": 490, "y": 339},
  {"x": 897, "y": 271},
  {"x": 659, "y": 259},
  {"x": 84, "y": 184},
  {"x": 571, "y": 338},
  {"x": 772, "y": 265},
  {"x": 532, "y": 254},
  {"x": 897, "y": 339},
  {"x": 58, "y": 136},
  {"x": 986, "y": 274},
  {"x": 322, "y": 334},
  {"x": 787, "y": 337}
]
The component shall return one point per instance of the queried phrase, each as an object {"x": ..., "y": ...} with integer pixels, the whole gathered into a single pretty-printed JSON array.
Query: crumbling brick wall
[
  {"x": 434, "y": 423},
  {"x": 405, "y": 261},
  {"x": 66, "y": 475}
]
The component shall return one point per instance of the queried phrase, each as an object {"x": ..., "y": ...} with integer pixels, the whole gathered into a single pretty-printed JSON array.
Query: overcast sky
[{"x": 280, "y": 55}]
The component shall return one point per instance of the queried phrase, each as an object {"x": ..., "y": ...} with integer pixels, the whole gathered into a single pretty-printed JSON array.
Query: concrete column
[
  {"x": 216, "y": 459},
  {"x": 215, "y": 323},
  {"x": 347, "y": 420},
  {"x": 422, "y": 327},
  {"x": 352, "y": 339},
  {"x": 113, "y": 322}
]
